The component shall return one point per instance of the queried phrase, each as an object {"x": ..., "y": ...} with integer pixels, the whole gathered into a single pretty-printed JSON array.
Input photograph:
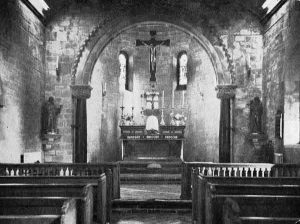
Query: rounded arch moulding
[{"x": 111, "y": 27}]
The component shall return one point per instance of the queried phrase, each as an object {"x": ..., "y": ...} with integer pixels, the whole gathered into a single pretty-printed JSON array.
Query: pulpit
[{"x": 139, "y": 143}]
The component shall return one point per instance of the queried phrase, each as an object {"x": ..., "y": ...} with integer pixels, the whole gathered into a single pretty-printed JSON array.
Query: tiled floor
[
  {"x": 151, "y": 191},
  {"x": 152, "y": 218}
]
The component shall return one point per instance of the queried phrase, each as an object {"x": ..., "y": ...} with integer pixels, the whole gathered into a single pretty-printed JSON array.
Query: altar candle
[
  {"x": 57, "y": 62},
  {"x": 183, "y": 99},
  {"x": 163, "y": 99}
]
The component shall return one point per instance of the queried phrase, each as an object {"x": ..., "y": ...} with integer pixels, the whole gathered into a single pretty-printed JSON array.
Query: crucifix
[{"x": 152, "y": 44}]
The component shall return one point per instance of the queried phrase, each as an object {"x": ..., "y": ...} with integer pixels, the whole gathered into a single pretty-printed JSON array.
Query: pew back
[
  {"x": 248, "y": 170},
  {"x": 250, "y": 201},
  {"x": 82, "y": 192},
  {"x": 38, "y": 210},
  {"x": 101, "y": 192},
  {"x": 65, "y": 169},
  {"x": 243, "y": 189}
]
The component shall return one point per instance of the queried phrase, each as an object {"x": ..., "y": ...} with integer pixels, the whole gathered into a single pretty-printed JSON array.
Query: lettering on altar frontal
[
  {"x": 152, "y": 136},
  {"x": 171, "y": 137},
  {"x": 133, "y": 137}
]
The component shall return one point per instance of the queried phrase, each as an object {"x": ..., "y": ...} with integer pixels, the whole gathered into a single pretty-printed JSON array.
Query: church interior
[{"x": 183, "y": 110}]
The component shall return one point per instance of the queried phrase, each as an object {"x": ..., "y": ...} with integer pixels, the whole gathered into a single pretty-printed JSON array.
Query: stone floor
[
  {"x": 146, "y": 192},
  {"x": 151, "y": 218},
  {"x": 151, "y": 191}
]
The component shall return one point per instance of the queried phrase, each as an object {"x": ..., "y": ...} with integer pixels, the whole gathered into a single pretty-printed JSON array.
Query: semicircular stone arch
[
  {"x": 109, "y": 28},
  {"x": 201, "y": 104}
]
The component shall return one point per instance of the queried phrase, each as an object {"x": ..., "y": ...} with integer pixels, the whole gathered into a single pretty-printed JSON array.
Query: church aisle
[
  {"x": 150, "y": 191},
  {"x": 151, "y": 218}
]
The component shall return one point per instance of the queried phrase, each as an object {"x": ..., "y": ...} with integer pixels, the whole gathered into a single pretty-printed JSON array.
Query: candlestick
[
  {"x": 163, "y": 99},
  {"x": 122, "y": 115},
  {"x": 132, "y": 122},
  {"x": 183, "y": 99},
  {"x": 143, "y": 117},
  {"x": 173, "y": 97},
  {"x": 57, "y": 62},
  {"x": 162, "y": 122}
]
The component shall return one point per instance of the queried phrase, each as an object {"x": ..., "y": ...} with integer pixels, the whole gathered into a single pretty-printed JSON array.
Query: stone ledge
[{"x": 294, "y": 146}]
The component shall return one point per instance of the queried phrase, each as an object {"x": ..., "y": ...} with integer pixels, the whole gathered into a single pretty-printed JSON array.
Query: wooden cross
[{"x": 152, "y": 43}]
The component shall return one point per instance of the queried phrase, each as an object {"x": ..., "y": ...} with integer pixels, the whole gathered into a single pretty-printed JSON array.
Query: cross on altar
[{"x": 152, "y": 43}]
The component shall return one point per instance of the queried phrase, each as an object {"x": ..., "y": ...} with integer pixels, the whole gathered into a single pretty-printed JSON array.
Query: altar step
[
  {"x": 151, "y": 206},
  {"x": 150, "y": 172}
]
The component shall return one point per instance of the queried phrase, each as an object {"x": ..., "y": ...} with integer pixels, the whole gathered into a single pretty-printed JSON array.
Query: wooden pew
[
  {"x": 66, "y": 169},
  {"x": 31, "y": 219},
  {"x": 83, "y": 193},
  {"x": 234, "y": 186},
  {"x": 199, "y": 186},
  {"x": 253, "y": 203},
  {"x": 102, "y": 192},
  {"x": 248, "y": 170},
  {"x": 29, "y": 210}
]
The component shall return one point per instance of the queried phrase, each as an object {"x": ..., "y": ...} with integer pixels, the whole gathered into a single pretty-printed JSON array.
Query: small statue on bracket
[
  {"x": 50, "y": 112},
  {"x": 256, "y": 111}
]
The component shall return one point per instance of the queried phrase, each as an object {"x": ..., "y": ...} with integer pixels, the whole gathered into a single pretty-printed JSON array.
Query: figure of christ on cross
[{"x": 152, "y": 43}]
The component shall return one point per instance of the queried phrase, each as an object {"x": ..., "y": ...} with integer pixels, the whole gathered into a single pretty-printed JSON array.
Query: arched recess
[{"x": 100, "y": 37}]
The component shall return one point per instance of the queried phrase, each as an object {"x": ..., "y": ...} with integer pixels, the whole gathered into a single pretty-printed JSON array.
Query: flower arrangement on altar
[
  {"x": 177, "y": 119},
  {"x": 126, "y": 119}
]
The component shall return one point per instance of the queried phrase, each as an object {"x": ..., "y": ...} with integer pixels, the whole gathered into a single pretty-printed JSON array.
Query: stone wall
[
  {"x": 201, "y": 107},
  {"x": 70, "y": 24},
  {"x": 246, "y": 44},
  {"x": 22, "y": 80},
  {"x": 281, "y": 78},
  {"x": 230, "y": 28}
]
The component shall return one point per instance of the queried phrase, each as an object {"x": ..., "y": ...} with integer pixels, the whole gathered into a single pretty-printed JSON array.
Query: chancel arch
[{"x": 198, "y": 103}]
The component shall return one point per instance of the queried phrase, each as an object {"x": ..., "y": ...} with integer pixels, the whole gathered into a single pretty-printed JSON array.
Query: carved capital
[
  {"x": 81, "y": 91},
  {"x": 226, "y": 91}
]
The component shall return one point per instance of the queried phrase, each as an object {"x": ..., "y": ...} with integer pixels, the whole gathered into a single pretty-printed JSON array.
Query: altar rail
[
  {"x": 222, "y": 170},
  {"x": 64, "y": 169},
  {"x": 286, "y": 170},
  {"x": 246, "y": 170}
]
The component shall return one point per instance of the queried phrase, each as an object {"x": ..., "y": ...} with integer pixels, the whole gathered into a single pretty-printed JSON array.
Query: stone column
[
  {"x": 226, "y": 93},
  {"x": 80, "y": 93}
]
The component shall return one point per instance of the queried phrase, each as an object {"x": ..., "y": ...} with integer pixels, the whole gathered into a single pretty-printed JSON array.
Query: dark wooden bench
[
  {"x": 199, "y": 186},
  {"x": 29, "y": 210},
  {"x": 83, "y": 193},
  {"x": 252, "y": 203},
  {"x": 102, "y": 190},
  {"x": 66, "y": 169},
  {"x": 209, "y": 194},
  {"x": 31, "y": 219},
  {"x": 248, "y": 170}
]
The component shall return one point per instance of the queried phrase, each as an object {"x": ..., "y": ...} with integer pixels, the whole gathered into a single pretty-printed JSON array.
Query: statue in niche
[
  {"x": 50, "y": 112},
  {"x": 256, "y": 111}
]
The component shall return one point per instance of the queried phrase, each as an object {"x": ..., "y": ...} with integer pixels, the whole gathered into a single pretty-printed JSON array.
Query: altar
[{"x": 138, "y": 143}]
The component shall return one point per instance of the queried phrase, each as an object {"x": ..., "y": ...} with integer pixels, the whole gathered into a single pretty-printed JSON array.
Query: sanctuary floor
[
  {"x": 151, "y": 218},
  {"x": 151, "y": 191},
  {"x": 148, "y": 192}
]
